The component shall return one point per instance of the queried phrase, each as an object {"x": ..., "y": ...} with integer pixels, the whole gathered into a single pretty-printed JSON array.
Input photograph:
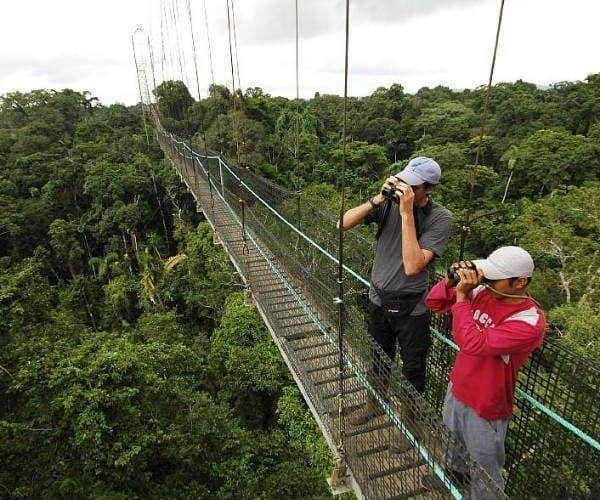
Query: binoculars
[
  {"x": 453, "y": 275},
  {"x": 390, "y": 192}
]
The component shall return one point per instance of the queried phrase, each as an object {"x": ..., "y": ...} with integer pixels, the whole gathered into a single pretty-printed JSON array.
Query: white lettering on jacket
[
  {"x": 483, "y": 318},
  {"x": 486, "y": 322}
]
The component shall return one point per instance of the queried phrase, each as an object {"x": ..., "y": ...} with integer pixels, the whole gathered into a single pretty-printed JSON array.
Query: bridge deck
[{"x": 312, "y": 358}]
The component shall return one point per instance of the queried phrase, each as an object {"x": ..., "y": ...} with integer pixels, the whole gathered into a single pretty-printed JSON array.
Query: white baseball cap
[
  {"x": 506, "y": 262},
  {"x": 419, "y": 170}
]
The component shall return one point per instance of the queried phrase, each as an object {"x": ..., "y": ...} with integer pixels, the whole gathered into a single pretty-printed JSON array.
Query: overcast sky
[{"x": 86, "y": 45}]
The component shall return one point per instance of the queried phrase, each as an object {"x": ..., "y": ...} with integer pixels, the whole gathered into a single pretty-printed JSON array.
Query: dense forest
[
  {"x": 538, "y": 184},
  {"x": 129, "y": 365}
]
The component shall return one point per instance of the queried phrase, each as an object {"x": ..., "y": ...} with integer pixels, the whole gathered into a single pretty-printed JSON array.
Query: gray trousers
[{"x": 483, "y": 441}]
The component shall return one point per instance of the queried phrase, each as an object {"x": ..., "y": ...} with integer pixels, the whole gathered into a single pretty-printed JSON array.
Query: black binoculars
[
  {"x": 390, "y": 193},
  {"x": 453, "y": 275}
]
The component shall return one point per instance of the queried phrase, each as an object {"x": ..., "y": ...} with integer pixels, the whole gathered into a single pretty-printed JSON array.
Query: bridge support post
[
  {"x": 221, "y": 175},
  {"x": 248, "y": 297},
  {"x": 339, "y": 481}
]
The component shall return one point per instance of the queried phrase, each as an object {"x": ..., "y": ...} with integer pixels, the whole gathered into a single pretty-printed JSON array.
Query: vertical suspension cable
[
  {"x": 340, "y": 280},
  {"x": 297, "y": 79},
  {"x": 237, "y": 54},
  {"x": 212, "y": 73},
  {"x": 171, "y": 70},
  {"x": 296, "y": 139},
  {"x": 162, "y": 41},
  {"x": 465, "y": 228},
  {"x": 189, "y": 9},
  {"x": 230, "y": 48},
  {"x": 151, "y": 53},
  {"x": 137, "y": 74},
  {"x": 180, "y": 37},
  {"x": 203, "y": 124},
  {"x": 177, "y": 44},
  {"x": 233, "y": 89}
]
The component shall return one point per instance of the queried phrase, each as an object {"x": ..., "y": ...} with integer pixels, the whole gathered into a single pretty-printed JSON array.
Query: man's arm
[
  {"x": 510, "y": 337},
  {"x": 414, "y": 257},
  {"x": 356, "y": 215},
  {"x": 441, "y": 297},
  {"x": 417, "y": 255}
]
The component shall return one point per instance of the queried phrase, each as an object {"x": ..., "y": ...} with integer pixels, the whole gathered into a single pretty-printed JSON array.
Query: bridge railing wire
[
  {"x": 311, "y": 275},
  {"x": 554, "y": 378}
]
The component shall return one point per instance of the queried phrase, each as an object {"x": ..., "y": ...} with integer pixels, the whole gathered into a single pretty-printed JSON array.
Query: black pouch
[{"x": 398, "y": 303}]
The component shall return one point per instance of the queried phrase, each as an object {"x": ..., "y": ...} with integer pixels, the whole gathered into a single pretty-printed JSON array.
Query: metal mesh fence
[{"x": 291, "y": 270}]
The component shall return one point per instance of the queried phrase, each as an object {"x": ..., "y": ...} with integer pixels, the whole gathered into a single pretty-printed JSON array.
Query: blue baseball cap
[{"x": 419, "y": 170}]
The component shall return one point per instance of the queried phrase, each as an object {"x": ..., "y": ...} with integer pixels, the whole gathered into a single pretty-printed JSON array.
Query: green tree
[
  {"x": 550, "y": 158},
  {"x": 562, "y": 233}
]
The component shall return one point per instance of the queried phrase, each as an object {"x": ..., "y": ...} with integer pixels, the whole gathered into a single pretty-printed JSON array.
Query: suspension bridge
[
  {"x": 290, "y": 275},
  {"x": 284, "y": 248}
]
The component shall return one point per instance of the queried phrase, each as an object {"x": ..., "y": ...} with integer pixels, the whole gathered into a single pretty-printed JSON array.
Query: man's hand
[
  {"x": 469, "y": 279},
  {"x": 407, "y": 199},
  {"x": 389, "y": 182}
]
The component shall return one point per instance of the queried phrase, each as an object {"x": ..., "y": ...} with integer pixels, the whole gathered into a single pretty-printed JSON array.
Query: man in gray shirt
[{"x": 413, "y": 231}]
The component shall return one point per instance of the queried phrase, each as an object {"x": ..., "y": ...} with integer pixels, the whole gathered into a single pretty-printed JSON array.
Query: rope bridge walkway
[{"x": 282, "y": 245}]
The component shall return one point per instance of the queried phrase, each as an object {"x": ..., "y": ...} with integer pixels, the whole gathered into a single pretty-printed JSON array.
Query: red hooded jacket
[{"x": 494, "y": 340}]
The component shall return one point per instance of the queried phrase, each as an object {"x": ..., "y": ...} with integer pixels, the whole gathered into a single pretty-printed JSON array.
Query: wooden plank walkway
[{"x": 312, "y": 357}]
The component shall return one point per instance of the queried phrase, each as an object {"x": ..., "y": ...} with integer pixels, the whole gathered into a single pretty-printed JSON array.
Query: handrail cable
[
  {"x": 465, "y": 227},
  {"x": 431, "y": 461},
  {"x": 528, "y": 397}
]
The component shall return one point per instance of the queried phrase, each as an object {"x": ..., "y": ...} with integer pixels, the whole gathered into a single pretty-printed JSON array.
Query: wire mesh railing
[{"x": 554, "y": 381}]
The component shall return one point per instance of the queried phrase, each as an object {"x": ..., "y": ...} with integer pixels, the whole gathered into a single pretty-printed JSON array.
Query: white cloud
[{"x": 86, "y": 44}]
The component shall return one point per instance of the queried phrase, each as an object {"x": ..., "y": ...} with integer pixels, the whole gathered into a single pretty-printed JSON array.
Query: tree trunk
[
  {"x": 162, "y": 214},
  {"x": 566, "y": 286}
]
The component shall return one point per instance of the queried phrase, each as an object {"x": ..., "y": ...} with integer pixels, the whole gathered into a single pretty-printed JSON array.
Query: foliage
[{"x": 130, "y": 366}]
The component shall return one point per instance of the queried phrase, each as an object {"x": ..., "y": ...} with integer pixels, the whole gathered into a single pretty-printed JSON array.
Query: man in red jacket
[{"x": 496, "y": 326}]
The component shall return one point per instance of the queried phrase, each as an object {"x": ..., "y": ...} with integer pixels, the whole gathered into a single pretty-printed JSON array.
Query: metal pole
[
  {"x": 340, "y": 279},
  {"x": 221, "y": 176},
  {"x": 210, "y": 187},
  {"x": 466, "y": 226}
]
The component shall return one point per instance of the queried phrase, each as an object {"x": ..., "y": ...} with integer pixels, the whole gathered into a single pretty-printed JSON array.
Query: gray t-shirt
[{"x": 434, "y": 223}]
